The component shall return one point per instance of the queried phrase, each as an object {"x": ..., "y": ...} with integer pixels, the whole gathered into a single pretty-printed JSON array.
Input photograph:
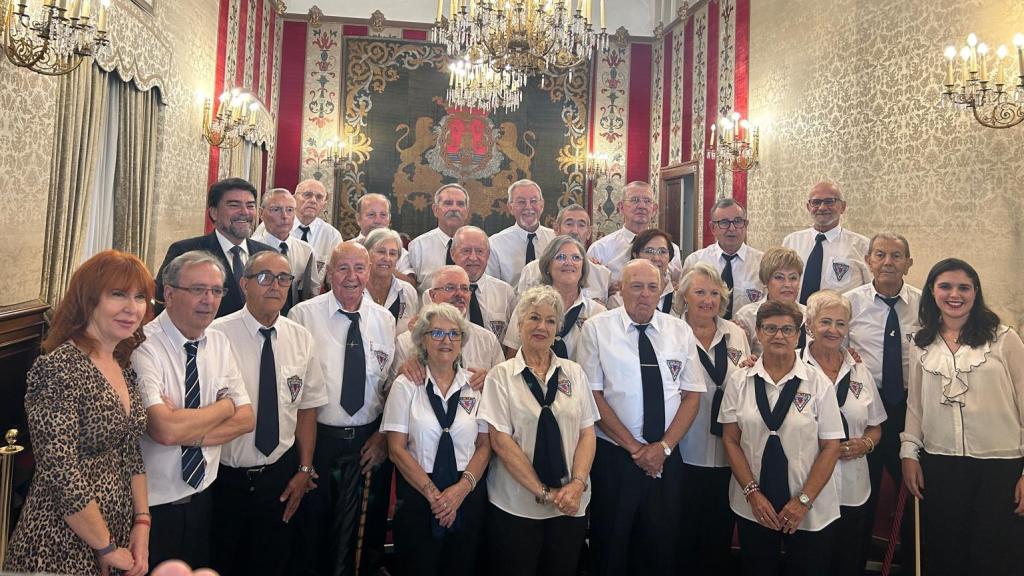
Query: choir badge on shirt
[
  {"x": 382, "y": 358},
  {"x": 675, "y": 367},
  {"x": 840, "y": 269},
  {"x": 467, "y": 403},
  {"x": 801, "y": 399},
  {"x": 498, "y": 327},
  {"x": 735, "y": 355},
  {"x": 294, "y": 386},
  {"x": 856, "y": 387},
  {"x": 754, "y": 295},
  {"x": 564, "y": 386}
]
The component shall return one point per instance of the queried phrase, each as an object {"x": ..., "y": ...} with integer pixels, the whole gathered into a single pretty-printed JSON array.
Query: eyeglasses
[
  {"x": 449, "y": 288},
  {"x": 199, "y": 290},
  {"x": 724, "y": 224},
  {"x": 266, "y": 278},
  {"x": 787, "y": 330},
  {"x": 640, "y": 200},
  {"x": 438, "y": 335},
  {"x": 522, "y": 203},
  {"x": 819, "y": 202},
  {"x": 655, "y": 251},
  {"x": 574, "y": 258}
]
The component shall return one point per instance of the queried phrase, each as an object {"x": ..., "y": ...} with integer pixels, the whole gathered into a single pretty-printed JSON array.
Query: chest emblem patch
[
  {"x": 753, "y": 294},
  {"x": 840, "y": 270},
  {"x": 734, "y": 355},
  {"x": 467, "y": 403},
  {"x": 294, "y": 386},
  {"x": 801, "y": 400},
  {"x": 674, "y": 368},
  {"x": 498, "y": 327},
  {"x": 856, "y": 388},
  {"x": 564, "y": 386},
  {"x": 382, "y": 358}
]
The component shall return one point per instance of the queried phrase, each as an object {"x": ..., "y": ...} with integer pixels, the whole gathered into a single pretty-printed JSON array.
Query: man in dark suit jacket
[{"x": 231, "y": 204}]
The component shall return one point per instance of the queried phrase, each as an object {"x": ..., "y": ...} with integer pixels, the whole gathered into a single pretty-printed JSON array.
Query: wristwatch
[
  {"x": 805, "y": 500},
  {"x": 307, "y": 469},
  {"x": 668, "y": 451}
]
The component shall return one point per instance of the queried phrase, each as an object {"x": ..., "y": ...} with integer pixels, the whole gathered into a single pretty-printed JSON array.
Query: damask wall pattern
[
  {"x": 611, "y": 106},
  {"x": 726, "y": 78},
  {"x": 657, "y": 103},
  {"x": 675, "y": 130},
  {"x": 850, "y": 93}
]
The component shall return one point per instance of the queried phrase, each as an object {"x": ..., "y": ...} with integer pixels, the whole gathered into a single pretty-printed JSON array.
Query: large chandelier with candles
[
  {"x": 476, "y": 85},
  {"x": 988, "y": 84},
  {"x": 57, "y": 37},
  {"x": 234, "y": 119}
]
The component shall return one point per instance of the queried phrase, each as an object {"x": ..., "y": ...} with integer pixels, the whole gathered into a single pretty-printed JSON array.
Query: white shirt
[
  {"x": 842, "y": 262},
  {"x": 746, "y": 317},
  {"x": 609, "y": 354},
  {"x": 408, "y": 302},
  {"x": 613, "y": 251},
  {"x": 408, "y": 411},
  {"x": 508, "y": 251},
  {"x": 967, "y": 404},
  {"x": 323, "y": 237},
  {"x": 329, "y": 327},
  {"x": 590, "y": 309},
  {"x": 480, "y": 349},
  {"x": 595, "y": 286},
  {"x": 160, "y": 365},
  {"x": 746, "y": 285},
  {"x": 700, "y": 447},
  {"x": 402, "y": 266},
  {"x": 510, "y": 407},
  {"x": 862, "y": 408},
  {"x": 497, "y": 301},
  {"x": 427, "y": 252},
  {"x": 300, "y": 385},
  {"x": 813, "y": 416},
  {"x": 867, "y": 326},
  {"x": 299, "y": 255}
]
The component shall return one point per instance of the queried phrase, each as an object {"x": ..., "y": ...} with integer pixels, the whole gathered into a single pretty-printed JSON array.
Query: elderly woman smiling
[
  {"x": 441, "y": 451},
  {"x": 541, "y": 414},
  {"x": 563, "y": 266},
  {"x": 398, "y": 296},
  {"x": 780, "y": 272}
]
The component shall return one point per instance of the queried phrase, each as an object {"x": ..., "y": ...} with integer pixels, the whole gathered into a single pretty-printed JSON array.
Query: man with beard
[
  {"x": 521, "y": 243},
  {"x": 573, "y": 220},
  {"x": 231, "y": 204},
  {"x": 430, "y": 251}
]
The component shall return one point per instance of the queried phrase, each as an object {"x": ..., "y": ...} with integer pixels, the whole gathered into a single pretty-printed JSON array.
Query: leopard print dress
[{"x": 86, "y": 448}]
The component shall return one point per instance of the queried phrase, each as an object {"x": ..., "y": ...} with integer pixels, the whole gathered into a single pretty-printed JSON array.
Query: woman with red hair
[{"x": 87, "y": 511}]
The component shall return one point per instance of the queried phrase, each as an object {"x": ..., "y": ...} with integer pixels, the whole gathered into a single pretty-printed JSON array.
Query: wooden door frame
[{"x": 671, "y": 173}]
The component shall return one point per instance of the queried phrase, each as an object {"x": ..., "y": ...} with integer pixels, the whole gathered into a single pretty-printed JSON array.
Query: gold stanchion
[
  {"x": 917, "y": 537},
  {"x": 362, "y": 520},
  {"x": 7, "y": 454}
]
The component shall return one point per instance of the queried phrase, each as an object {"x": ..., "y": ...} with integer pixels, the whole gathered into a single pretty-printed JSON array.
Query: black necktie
[
  {"x": 290, "y": 300},
  {"x": 236, "y": 263},
  {"x": 558, "y": 346},
  {"x": 448, "y": 261},
  {"x": 305, "y": 232},
  {"x": 727, "y": 278},
  {"x": 475, "y": 315},
  {"x": 193, "y": 466},
  {"x": 774, "y": 478},
  {"x": 446, "y": 468},
  {"x": 396, "y": 307},
  {"x": 842, "y": 391},
  {"x": 666, "y": 303},
  {"x": 548, "y": 458},
  {"x": 531, "y": 252},
  {"x": 284, "y": 248},
  {"x": 267, "y": 435},
  {"x": 892, "y": 356},
  {"x": 717, "y": 373},
  {"x": 353, "y": 376},
  {"x": 654, "y": 393},
  {"x": 812, "y": 272}
]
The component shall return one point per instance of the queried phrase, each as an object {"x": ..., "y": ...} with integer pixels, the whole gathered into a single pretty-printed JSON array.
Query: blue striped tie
[{"x": 193, "y": 467}]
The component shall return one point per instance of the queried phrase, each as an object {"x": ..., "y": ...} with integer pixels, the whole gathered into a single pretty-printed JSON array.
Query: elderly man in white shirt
[
  {"x": 433, "y": 249},
  {"x": 265, "y": 473},
  {"x": 195, "y": 402},
  {"x": 521, "y": 243},
  {"x": 643, "y": 368},
  {"x": 308, "y": 226},
  {"x": 833, "y": 256},
  {"x": 277, "y": 211},
  {"x": 491, "y": 301},
  {"x": 573, "y": 220},
  {"x": 734, "y": 259}
]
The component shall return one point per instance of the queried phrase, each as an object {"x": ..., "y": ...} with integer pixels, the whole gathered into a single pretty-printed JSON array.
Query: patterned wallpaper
[
  {"x": 850, "y": 93},
  {"x": 657, "y": 105},
  {"x": 611, "y": 104}
]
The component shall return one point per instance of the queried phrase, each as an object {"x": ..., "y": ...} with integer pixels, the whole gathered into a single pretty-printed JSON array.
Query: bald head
[
  {"x": 349, "y": 270},
  {"x": 641, "y": 290}
]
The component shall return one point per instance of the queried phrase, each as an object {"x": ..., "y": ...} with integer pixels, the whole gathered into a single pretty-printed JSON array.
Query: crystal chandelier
[
  {"x": 596, "y": 165},
  {"x": 233, "y": 120},
  {"x": 736, "y": 145},
  {"x": 985, "y": 85},
  {"x": 478, "y": 86},
  {"x": 62, "y": 34}
]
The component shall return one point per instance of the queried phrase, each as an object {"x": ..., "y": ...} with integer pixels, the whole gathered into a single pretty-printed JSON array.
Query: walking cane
[
  {"x": 7, "y": 454},
  {"x": 890, "y": 550},
  {"x": 362, "y": 520},
  {"x": 917, "y": 537}
]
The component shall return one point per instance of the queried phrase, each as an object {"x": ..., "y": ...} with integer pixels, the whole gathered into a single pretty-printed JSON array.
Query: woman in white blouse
[
  {"x": 398, "y": 296},
  {"x": 441, "y": 451},
  {"x": 782, "y": 431},
  {"x": 963, "y": 443},
  {"x": 706, "y": 536},
  {"x": 541, "y": 415},
  {"x": 780, "y": 272},
  {"x": 828, "y": 321},
  {"x": 564, "y": 266}
]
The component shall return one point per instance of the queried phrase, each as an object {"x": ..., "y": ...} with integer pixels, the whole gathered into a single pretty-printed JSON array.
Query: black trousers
[
  {"x": 249, "y": 534},
  {"x": 886, "y": 456},
  {"x": 520, "y": 546},
  {"x": 807, "y": 553},
  {"x": 181, "y": 531},
  {"x": 848, "y": 552},
  {"x": 707, "y": 522},
  {"x": 326, "y": 534},
  {"x": 635, "y": 527},
  {"x": 967, "y": 520},
  {"x": 419, "y": 554}
]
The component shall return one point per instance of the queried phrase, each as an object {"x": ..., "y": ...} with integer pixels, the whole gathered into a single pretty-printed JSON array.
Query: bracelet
[
  {"x": 544, "y": 493},
  {"x": 750, "y": 487},
  {"x": 101, "y": 552},
  {"x": 870, "y": 442},
  {"x": 137, "y": 514},
  {"x": 143, "y": 521},
  {"x": 471, "y": 479}
]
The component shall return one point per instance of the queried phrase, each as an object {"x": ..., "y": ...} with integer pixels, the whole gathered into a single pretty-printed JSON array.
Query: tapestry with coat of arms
[{"x": 404, "y": 139}]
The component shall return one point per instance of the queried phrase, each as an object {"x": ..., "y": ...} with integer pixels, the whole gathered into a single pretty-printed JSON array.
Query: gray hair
[
  {"x": 830, "y": 184},
  {"x": 823, "y": 300},
  {"x": 570, "y": 208},
  {"x": 435, "y": 280},
  {"x": 889, "y": 236},
  {"x": 380, "y": 235},
  {"x": 250, "y": 264},
  {"x": 172, "y": 272},
  {"x": 426, "y": 316},
  {"x": 521, "y": 183},
  {"x": 275, "y": 192},
  {"x": 727, "y": 202},
  {"x": 457, "y": 237},
  {"x": 637, "y": 184},
  {"x": 708, "y": 271},
  {"x": 541, "y": 296},
  {"x": 373, "y": 196},
  {"x": 437, "y": 193},
  {"x": 548, "y": 256}
]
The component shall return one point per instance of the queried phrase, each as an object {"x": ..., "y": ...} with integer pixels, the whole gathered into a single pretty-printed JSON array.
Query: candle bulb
[
  {"x": 101, "y": 22},
  {"x": 602, "y": 15},
  {"x": 950, "y": 55},
  {"x": 1018, "y": 41},
  {"x": 440, "y": 7},
  {"x": 713, "y": 136},
  {"x": 983, "y": 56}
]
